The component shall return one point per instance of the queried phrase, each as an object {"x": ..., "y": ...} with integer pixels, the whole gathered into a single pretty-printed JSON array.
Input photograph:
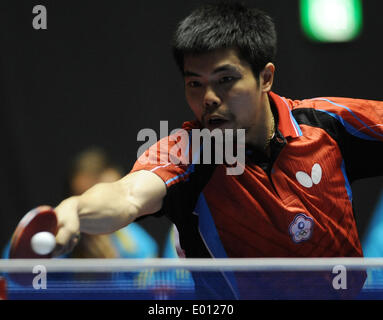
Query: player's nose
[{"x": 211, "y": 100}]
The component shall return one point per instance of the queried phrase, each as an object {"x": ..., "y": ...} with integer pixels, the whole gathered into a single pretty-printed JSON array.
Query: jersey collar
[{"x": 287, "y": 124}]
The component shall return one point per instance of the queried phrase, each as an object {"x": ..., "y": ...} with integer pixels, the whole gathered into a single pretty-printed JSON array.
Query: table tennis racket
[
  {"x": 3, "y": 288},
  {"x": 40, "y": 219}
]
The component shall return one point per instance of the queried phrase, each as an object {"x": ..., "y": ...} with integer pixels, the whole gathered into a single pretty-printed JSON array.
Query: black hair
[{"x": 227, "y": 24}]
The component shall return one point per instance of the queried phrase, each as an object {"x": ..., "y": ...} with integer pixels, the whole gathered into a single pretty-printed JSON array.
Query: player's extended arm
[{"x": 107, "y": 207}]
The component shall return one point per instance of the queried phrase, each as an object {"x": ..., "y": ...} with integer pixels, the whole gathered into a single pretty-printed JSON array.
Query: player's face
[{"x": 223, "y": 93}]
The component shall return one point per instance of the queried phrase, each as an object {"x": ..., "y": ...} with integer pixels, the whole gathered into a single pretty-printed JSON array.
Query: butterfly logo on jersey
[
  {"x": 308, "y": 181},
  {"x": 301, "y": 228}
]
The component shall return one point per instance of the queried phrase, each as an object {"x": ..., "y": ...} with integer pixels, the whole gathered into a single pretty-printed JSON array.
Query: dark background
[{"x": 103, "y": 70}]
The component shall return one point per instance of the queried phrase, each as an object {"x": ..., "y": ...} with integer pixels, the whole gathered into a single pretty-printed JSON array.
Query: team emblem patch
[{"x": 301, "y": 228}]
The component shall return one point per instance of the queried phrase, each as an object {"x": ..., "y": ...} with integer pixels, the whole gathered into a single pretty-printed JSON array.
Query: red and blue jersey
[{"x": 296, "y": 203}]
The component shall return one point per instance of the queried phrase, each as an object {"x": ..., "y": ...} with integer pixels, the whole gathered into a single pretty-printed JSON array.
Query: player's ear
[{"x": 267, "y": 77}]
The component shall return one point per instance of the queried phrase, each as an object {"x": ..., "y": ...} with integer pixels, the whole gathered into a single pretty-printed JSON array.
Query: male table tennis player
[{"x": 294, "y": 197}]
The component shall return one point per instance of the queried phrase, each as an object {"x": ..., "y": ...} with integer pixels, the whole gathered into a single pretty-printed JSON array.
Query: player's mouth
[{"x": 214, "y": 122}]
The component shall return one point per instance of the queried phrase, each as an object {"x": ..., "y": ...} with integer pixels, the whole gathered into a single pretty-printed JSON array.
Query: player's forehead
[{"x": 214, "y": 61}]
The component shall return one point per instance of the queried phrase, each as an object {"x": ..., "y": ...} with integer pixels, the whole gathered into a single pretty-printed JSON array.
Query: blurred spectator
[
  {"x": 373, "y": 240},
  {"x": 90, "y": 167},
  {"x": 372, "y": 243}
]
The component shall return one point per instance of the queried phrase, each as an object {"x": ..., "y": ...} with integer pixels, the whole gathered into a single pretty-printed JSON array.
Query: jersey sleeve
[
  {"x": 171, "y": 158},
  {"x": 360, "y": 118},
  {"x": 159, "y": 159},
  {"x": 359, "y": 133}
]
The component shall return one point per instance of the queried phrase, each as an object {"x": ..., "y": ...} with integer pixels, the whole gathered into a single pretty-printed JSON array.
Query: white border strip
[{"x": 237, "y": 264}]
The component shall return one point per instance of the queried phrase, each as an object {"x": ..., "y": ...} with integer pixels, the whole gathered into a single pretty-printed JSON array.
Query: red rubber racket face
[
  {"x": 3, "y": 288},
  {"x": 40, "y": 219}
]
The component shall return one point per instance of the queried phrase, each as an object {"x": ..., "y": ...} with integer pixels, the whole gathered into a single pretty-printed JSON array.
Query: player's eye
[
  {"x": 193, "y": 84},
  {"x": 226, "y": 79}
]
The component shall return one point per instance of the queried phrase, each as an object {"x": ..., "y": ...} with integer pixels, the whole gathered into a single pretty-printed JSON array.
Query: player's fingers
[
  {"x": 73, "y": 242},
  {"x": 66, "y": 240},
  {"x": 68, "y": 226},
  {"x": 60, "y": 245},
  {"x": 63, "y": 237}
]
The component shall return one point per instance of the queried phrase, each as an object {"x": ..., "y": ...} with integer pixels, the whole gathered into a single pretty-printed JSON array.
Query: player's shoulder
[{"x": 335, "y": 104}]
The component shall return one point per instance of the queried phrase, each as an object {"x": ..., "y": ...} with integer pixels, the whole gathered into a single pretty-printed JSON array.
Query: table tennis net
[{"x": 194, "y": 279}]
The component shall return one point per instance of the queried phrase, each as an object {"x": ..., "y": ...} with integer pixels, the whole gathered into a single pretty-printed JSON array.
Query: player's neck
[{"x": 264, "y": 131}]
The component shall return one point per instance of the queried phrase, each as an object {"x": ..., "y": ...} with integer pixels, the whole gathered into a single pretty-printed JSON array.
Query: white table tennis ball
[{"x": 43, "y": 243}]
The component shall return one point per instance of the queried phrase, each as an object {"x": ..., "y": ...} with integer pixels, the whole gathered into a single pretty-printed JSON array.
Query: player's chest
[
  {"x": 307, "y": 177},
  {"x": 310, "y": 172}
]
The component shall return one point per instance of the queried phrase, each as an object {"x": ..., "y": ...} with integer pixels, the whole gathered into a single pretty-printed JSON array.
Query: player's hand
[{"x": 68, "y": 233}]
